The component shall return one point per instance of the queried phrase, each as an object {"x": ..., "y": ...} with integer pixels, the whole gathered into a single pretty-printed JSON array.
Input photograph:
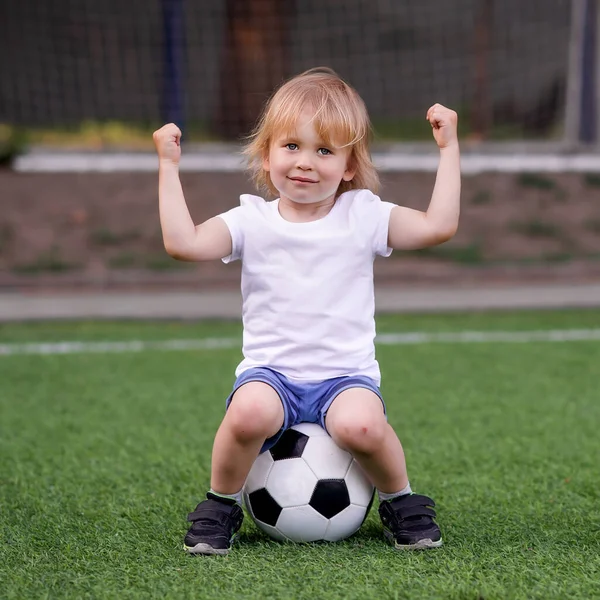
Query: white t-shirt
[{"x": 307, "y": 288}]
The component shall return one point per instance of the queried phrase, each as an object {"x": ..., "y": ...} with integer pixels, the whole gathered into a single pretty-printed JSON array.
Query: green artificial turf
[{"x": 103, "y": 455}]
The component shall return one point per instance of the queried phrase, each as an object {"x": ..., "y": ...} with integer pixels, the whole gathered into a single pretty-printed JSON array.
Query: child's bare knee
[
  {"x": 362, "y": 435},
  {"x": 255, "y": 412}
]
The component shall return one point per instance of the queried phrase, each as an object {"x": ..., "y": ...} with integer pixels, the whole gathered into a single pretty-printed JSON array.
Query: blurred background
[
  {"x": 85, "y": 83},
  {"x": 210, "y": 65}
]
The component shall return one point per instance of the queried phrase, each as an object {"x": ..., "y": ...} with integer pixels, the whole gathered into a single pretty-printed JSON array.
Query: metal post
[
  {"x": 573, "y": 99},
  {"x": 588, "y": 117},
  {"x": 174, "y": 56}
]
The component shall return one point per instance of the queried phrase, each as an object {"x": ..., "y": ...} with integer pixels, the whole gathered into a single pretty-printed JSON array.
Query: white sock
[
  {"x": 237, "y": 497},
  {"x": 383, "y": 496}
]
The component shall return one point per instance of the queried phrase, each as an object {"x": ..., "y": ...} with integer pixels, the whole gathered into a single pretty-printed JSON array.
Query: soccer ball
[{"x": 307, "y": 489}]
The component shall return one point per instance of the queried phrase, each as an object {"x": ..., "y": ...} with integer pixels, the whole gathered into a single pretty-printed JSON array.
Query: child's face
[{"x": 303, "y": 168}]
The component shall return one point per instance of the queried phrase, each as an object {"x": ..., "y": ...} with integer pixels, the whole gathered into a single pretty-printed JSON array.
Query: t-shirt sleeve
[
  {"x": 237, "y": 219},
  {"x": 375, "y": 216}
]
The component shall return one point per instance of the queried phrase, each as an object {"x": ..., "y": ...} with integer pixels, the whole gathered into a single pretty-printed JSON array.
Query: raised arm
[
  {"x": 411, "y": 229},
  {"x": 182, "y": 239}
]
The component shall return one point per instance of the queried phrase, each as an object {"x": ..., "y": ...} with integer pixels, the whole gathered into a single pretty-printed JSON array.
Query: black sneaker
[
  {"x": 215, "y": 523},
  {"x": 408, "y": 522}
]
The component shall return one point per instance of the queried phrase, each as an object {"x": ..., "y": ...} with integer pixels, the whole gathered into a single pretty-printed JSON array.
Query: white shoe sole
[
  {"x": 423, "y": 544},
  {"x": 207, "y": 550},
  {"x": 420, "y": 545}
]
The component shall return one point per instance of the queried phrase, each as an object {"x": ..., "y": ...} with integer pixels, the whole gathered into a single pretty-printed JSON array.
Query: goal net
[{"x": 211, "y": 64}]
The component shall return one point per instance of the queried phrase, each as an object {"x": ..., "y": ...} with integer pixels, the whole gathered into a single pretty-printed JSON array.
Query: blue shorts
[{"x": 302, "y": 402}]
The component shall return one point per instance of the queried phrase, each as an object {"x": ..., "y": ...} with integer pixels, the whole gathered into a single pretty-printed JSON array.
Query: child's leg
[
  {"x": 356, "y": 422},
  {"x": 255, "y": 414}
]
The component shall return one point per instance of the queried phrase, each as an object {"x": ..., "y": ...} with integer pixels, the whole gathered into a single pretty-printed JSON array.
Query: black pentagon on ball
[
  {"x": 330, "y": 497},
  {"x": 290, "y": 445},
  {"x": 264, "y": 507}
]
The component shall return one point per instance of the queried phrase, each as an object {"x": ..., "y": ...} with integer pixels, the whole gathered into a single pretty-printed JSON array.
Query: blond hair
[{"x": 340, "y": 118}]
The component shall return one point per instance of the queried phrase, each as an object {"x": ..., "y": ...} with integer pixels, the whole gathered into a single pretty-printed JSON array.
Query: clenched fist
[
  {"x": 444, "y": 123},
  {"x": 167, "y": 140}
]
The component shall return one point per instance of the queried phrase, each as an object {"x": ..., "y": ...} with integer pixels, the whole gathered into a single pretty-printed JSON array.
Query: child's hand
[
  {"x": 444, "y": 123},
  {"x": 167, "y": 140}
]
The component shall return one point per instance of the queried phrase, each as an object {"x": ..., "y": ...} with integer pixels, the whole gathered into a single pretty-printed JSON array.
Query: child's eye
[
  {"x": 292, "y": 146},
  {"x": 324, "y": 151}
]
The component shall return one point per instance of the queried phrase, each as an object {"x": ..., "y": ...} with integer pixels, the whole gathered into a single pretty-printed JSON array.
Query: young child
[{"x": 308, "y": 298}]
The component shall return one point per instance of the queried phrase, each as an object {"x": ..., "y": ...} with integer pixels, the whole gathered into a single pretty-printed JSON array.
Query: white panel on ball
[
  {"x": 360, "y": 488},
  {"x": 291, "y": 482},
  {"x": 311, "y": 429},
  {"x": 257, "y": 478},
  {"x": 302, "y": 524},
  {"x": 346, "y": 523},
  {"x": 272, "y": 531},
  {"x": 325, "y": 458}
]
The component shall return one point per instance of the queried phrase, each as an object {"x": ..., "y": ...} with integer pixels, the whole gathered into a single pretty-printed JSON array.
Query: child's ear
[
  {"x": 350, "y": 171},
  {"x": 266, "y": 165}
]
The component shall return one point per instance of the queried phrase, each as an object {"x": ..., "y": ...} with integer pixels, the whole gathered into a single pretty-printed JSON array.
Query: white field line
[
  {"x": 389, "y": 339},
  {"x": 116, "y": 347}
]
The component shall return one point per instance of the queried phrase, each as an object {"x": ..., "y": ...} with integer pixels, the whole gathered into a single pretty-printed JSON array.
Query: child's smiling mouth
[{"x": 302, "y": 180}]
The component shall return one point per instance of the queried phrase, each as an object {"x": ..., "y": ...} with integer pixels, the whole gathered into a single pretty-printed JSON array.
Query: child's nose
[{"x": 304, "y": 162}]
